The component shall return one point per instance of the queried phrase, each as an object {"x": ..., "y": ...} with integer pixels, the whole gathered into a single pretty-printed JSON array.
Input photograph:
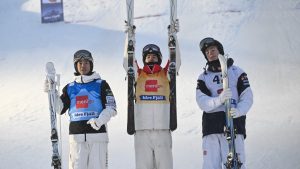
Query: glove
[
  {"x": 96, "y": 123},
  {"x": 226, "y": 94},
  {"x": 235, "y": 113},
  {"x": 103, "y": 118},
  {"x": 46, "y": 86}
]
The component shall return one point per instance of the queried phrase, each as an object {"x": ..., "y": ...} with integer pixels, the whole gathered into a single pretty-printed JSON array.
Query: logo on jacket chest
[
  {"x": 152, "y": 86},
  {"x": 82, "y": 102}
]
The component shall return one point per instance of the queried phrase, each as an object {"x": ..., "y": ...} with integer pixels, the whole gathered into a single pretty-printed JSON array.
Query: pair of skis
[
  {"x": 172, "y": 68},
  {"x": 232, "y": 158},
  {"x": 54, "y": 82}
]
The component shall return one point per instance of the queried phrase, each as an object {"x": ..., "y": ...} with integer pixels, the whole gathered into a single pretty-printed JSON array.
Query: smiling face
[
  {"x": 212, "y": 53},
  {"x": 83, "y": 66}
]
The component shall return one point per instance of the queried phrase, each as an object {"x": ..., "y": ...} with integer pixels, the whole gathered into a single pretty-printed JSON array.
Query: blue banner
[{"x": 52, "y": 11}]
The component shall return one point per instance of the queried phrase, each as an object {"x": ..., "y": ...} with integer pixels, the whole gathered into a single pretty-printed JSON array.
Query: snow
[{"x": 262, "y": 36}]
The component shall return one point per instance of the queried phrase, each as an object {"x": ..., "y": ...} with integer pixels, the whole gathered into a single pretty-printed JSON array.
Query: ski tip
[
  {"x": 50, "y": 68},
  {"x": 220, "y": 56}
]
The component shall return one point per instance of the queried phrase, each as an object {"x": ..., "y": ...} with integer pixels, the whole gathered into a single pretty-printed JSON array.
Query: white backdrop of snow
[{"x": 262, "y": 36}]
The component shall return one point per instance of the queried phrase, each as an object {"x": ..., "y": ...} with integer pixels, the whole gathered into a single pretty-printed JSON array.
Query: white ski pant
[
  {"x": 88, "y": 155},
  {"x": 215, "y": 150},
  {"x": 153, "y": 149}
]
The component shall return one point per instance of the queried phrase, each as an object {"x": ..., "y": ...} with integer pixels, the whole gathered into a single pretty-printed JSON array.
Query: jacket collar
[
  {"x": 156, "y": 68},
  {"x": 87, "y": 78},
  {"x": 215, "y": 66}
]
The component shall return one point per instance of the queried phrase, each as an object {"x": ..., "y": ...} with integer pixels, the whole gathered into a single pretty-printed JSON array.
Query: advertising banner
[{"x": 52, "y": 11}]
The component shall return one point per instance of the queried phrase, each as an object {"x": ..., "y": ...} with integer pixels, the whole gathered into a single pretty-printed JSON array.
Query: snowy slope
[{"x": 262, "y": 36}]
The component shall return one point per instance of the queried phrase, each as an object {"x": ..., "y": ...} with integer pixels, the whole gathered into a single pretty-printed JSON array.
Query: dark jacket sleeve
[
  {"x": 65, "y": 99},
  {"x": 108, "y": 99},
  {"x": 243, "y": 83},
  {"x": 203, "y": 88}
]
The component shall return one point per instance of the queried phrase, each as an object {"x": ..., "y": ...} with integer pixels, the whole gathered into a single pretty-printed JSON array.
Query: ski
[
  {"x": 172, "y": 67},
  {"x": 130, "y": 72},
  {"x": 232, "y": 158},
  {"x": 53, "y": 80}
]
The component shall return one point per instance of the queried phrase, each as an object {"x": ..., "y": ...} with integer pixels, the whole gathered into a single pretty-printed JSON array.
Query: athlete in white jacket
[
  {"x": 210, "y": 97},
  {"x": 152, "y": 138},
  {"x": 91, "y": 104}
]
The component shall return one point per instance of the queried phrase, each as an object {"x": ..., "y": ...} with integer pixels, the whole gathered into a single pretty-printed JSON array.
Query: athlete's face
[
  {"x": 83, "y": 67},
  {"x": 212, "y": 53},
  {"x": 151, "y": 58}
]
